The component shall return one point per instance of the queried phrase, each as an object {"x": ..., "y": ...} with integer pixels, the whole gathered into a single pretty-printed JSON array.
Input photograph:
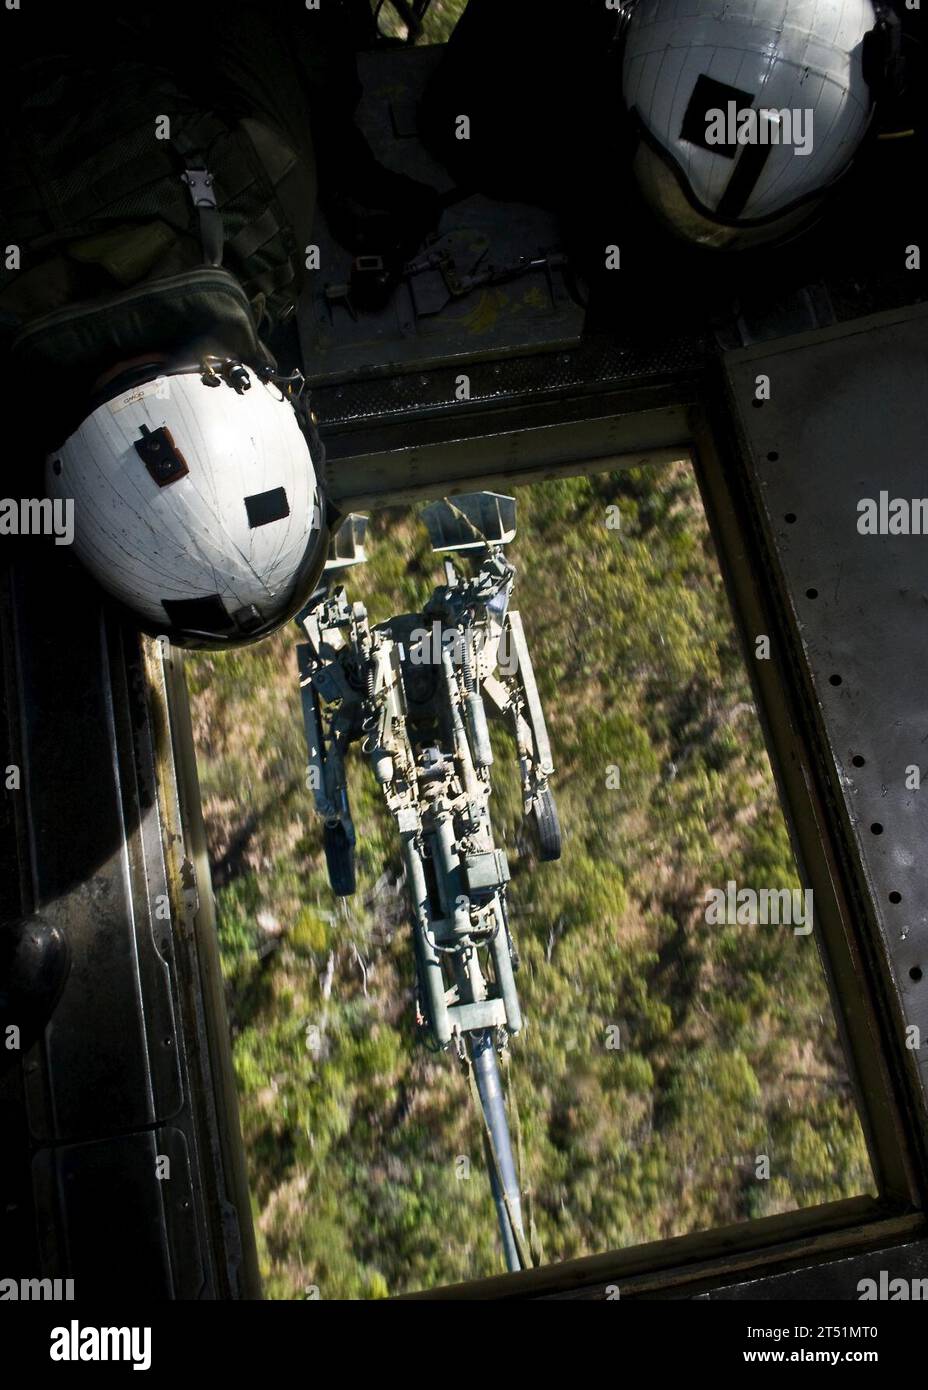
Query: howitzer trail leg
[
  {"x": 502, "y": 964},
  {"x": 535, "y": 713}
]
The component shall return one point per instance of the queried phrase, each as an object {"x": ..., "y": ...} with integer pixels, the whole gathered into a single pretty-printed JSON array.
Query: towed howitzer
[{"x": 415, "y": 692}]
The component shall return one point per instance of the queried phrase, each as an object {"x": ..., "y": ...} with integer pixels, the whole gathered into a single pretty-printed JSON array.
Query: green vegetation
[
  {"x": 727, "y": 1044},
  {"x": 439, "y": 23}
]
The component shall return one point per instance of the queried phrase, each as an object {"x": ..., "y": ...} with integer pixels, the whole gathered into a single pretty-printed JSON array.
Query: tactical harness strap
[
  {"x": 199, "y": 182},
  {"x": 251, "y": 237},
  {"x": 254, "y": 234}
]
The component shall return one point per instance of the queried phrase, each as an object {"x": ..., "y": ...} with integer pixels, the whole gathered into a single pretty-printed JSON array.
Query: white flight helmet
[
  {"x": 197, "y": 503},
  {"x": 785, "y": 83}
]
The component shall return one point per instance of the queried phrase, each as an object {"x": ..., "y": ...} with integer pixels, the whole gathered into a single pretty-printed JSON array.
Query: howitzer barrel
[{"x": 503, "y": 1178}]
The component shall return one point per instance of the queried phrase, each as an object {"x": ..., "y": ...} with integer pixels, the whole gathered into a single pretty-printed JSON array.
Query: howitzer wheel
[
  {"x": 339, "y": 858},
  {"x": 546, "y": 826}
]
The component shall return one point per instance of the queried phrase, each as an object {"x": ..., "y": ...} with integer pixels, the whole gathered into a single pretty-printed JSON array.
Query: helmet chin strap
[
  {"x": 294, "y": 378},
  {"x": 293, "y": 386}
]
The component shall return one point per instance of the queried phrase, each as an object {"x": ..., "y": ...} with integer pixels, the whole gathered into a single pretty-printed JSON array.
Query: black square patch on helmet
[
  {"x": 207, "y": 614},
  {"x": 160, "y": 455},
  {"x": 264, "y": 507},
  {"x": 709, "y": 95}
]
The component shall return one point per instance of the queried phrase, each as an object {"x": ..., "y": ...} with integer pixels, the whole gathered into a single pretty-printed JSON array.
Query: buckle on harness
[{"x": 200, "y": 183}]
